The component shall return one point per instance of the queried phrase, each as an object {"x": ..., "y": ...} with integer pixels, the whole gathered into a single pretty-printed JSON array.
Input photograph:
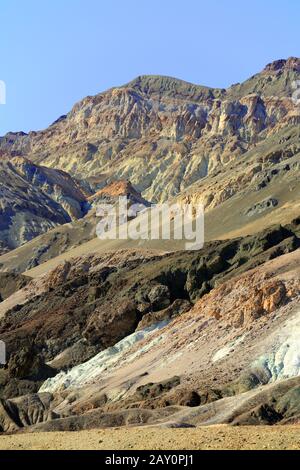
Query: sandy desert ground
[{"x": 202, "y": 438}]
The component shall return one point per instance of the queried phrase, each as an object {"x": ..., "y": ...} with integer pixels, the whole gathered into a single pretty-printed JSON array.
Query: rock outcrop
[
  {"x": 209, "y": 365},
  {"x": 11, "y": 283},
  {"x": 87, "y": 305},
  {"x": 154, "y": 336},
  {"x": 171, "y": 139},
  {"x": 48, "y": 211},
  {"x": 162, "y": 133},
  {"x": 35, "y": 199}
]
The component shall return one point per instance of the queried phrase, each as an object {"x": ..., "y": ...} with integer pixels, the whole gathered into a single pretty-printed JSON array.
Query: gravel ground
[{"x": 203, "y": 438}]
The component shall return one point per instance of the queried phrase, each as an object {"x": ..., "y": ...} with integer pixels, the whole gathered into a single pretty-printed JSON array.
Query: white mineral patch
[
  {"x": 284, "y": 360},
  {"x": 103, "y": 362},
  {"x": 228, "y": 349}
]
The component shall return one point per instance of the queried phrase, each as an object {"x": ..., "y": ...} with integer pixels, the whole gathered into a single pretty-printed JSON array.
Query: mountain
[
  {"x": 259, "y": 189},
  {"x": 157, "y": 338},
  {"x": 164, "y": 134},
  {"x": 35, "y": 199},
  {"x": 236, "y": 151},
  {"x": 42, "y": 247},
  {"x": 120, "y": 333}
]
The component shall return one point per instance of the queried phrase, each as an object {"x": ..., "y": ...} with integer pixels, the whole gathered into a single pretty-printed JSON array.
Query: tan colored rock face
[
  {"x": 174, "y": 373},
  {"x": 164, "y": 134},
  {"x": 231, "y": 150},
  {"x": 144, "y": 336}
]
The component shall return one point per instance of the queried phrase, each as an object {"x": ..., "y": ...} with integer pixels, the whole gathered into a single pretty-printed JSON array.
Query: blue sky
[{"x": 55, "y": 52}]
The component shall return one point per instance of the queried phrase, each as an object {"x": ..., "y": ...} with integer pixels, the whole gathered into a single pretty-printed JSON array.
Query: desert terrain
[
  {"x": 143, "y": 344},
  {"x": 204, "y": 438}
]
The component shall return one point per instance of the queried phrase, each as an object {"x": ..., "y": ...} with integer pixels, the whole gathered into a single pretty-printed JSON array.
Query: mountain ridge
[
  {"x": 175, "y": 140},
  {"x": 106, "y": 333},
  {"x": 180, "y": 132}
]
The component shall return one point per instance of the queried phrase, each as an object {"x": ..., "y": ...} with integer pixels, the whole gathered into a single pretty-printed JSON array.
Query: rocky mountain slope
[
  {"x": 62, "y": 240},
  {"x": 34, "y": 199},
  {"x": 226, "y": 149},
  {"x": 165, "y": 347},
  {"x": 257, "y": 191},
  {"x": 11, "y": 283},
  {"x": 162, "y": 133},
  {"x": 106, "y": 333},
  {"x": 141, "y": 286}
]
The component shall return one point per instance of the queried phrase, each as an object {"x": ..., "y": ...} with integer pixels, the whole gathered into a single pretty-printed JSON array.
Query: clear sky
[{"x": 55, "y": 52}]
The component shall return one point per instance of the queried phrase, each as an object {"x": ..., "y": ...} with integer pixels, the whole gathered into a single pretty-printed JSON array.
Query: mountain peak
[
  {"x": 119, "y": 188},
  {"x": 147, "y": 79},
  {"x": 290, "y": 64},
  {"x": 170, "y": 86}
]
